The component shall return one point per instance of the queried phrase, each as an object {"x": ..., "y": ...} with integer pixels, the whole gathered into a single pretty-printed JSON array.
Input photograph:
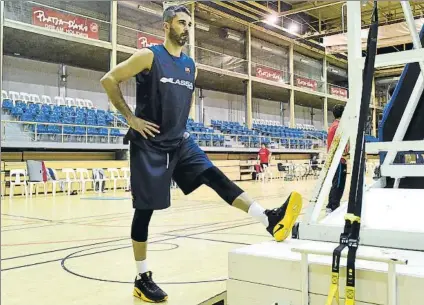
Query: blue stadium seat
[
  {"x": 27, "y": 117},
  {"x": 17, "y": 111},
  {"x": 69, "y": 130},
  {"x": 92, "y": 131},
  {"x": 79, "y": 130},
  {"x": 103, "y": 132},
  {"x": 42, "y": 129},
  {"x": 7, "y": 104},
  {"x": 55, "y": 129}
]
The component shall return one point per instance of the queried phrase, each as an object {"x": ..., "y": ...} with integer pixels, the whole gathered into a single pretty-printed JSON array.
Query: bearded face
[{"x": 179, "y": 38}]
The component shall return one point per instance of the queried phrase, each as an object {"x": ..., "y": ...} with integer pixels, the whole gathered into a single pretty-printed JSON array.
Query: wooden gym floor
[{"x": 77, "y": 249}]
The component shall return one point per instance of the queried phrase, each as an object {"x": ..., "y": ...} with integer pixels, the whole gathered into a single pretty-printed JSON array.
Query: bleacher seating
[
  {"x": 57, "y": 115},
  {"x": 268, "y": 132},
  {"x": 203, "y": 135},
  {"x": 84, "y": 119}
]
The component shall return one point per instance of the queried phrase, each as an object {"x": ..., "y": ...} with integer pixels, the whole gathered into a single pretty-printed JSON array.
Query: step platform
[{"x": 270, "y": 273}]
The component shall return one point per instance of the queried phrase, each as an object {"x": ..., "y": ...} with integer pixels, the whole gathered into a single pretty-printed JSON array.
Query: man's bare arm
[{"x": 139, "y": 61}]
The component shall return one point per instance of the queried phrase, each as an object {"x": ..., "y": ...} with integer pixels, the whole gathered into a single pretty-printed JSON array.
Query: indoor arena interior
[{"x": 166, "y": 151}]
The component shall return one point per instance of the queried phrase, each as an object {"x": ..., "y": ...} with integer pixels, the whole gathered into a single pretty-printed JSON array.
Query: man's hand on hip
[{"x": 143, "y": 127}]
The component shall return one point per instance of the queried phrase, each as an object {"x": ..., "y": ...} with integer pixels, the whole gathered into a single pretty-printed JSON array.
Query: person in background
[
  {"x": 339, "y": 179},
  {"x": 264, "y": 156}
]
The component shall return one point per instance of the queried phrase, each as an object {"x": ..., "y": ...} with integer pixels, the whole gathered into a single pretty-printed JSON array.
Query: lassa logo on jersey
[{"x": 180, "y": 82}]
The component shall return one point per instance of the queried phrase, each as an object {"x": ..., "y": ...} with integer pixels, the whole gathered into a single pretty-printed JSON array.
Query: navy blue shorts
[{"x": 152, "y": 171}]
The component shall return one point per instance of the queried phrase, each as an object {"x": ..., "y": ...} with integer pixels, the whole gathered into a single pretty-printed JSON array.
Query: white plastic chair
[
  {"x": 18, "y": 181},
  {"x": 267, "y": 173},
  {"x": 80, "y": 102},
  {"x": 89, "y": 104},
  {"x": 34, "y": 98},
  {"x": 15, "y": 96},
  {"x": 59, "y": 100},
  {"x": 126, "y": 176},
  {"x": 4, "y": 95},
  {"x": 101, "y": 181},
  {"x": 45, "y": 99},
  {"x": 70, "y": 101},
  {"x": 55, "y": 182},
  {"x": 25, "y": 97},
  {"x": 83, "y": 176},
  {"x": 114, "y": 176},
  {"x": 70, "y": 178},
  {"x": 36, "y": 183}
]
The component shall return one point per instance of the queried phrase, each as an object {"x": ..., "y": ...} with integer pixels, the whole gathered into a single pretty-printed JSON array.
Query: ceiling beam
[
  {"x": 262, "y": 7},
  {"x": 247, "y": 8},
  {"x": 309, "y": 7},
  {"x": 235, "y": 9},
  {"x": 337, "y": 61}
]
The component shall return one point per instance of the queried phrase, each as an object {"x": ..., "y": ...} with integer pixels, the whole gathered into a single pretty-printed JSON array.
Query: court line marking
[
  {"x": 70, "y": 256},
  {"x": 75, "y": 247},
  {"x": 156, "y": 241}
]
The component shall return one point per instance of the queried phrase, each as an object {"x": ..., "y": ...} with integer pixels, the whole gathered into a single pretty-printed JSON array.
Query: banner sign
[
  {"x": 268, "y": 73},
  {"x": 338, "y": 91},
  {"x": 67, "y": 23},
  {"x": 145, "y": 40},
  {"x": 306, "y": 83}
]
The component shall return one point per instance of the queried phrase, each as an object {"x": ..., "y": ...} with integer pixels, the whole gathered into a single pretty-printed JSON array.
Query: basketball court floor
[{"x": 77, "y": 249}]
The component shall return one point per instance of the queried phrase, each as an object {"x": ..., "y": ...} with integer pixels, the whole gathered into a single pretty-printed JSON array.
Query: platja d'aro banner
[
  {"x": 67, "y": 23},
  {"x": 145, "y": 40}
]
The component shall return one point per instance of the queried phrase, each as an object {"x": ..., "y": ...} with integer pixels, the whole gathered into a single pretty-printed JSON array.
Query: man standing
[
  {"x": 339, "y": 179},
  {"x": 161, "y": 149},
  {"x": 264, "y": 156}
]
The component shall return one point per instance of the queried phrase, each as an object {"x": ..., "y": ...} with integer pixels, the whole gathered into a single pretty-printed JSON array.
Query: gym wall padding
[{"x": 393, "y": 114}]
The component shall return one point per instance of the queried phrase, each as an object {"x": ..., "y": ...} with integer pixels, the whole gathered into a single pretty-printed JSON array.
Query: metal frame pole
[
  {"x": 416, "y": 93},
  {"x": 1, "y": 42},
  {"x": 248, "y": 83},
  {"x": 113, "y": 39}
]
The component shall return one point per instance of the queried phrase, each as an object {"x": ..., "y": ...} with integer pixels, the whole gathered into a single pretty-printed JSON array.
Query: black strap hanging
[{"x": 350, "y": 236}]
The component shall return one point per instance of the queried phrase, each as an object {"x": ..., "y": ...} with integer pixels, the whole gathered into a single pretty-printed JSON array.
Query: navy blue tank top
[{"x": 163, "y": 96}]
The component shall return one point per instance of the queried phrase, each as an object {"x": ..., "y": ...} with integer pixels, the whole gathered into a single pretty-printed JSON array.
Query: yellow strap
[
  {"x": 353, "y": 218},
  {"x": 350, "y": 295},
  {"x": 334, "y": 289}
]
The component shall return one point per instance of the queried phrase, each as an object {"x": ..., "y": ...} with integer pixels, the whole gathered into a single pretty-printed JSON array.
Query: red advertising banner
[
  {"x": 306, "y": 83},
  {"x": 338, "y": 91},
  {"x": 145, "y": 40},
  {"x": 67, "y": 23},
  {"x": 268, "y": 73}
]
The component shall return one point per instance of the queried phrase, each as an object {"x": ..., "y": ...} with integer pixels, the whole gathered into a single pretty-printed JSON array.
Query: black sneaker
[
  {"x": 281, "y": 220},
  {"x": 147, "y": 290}
]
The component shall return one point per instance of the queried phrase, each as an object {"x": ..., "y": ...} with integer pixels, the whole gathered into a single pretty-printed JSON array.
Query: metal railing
[
  {"x": 255, "y": 141},
  {"x": 221, "y": 60},
  {"x": 30, "y": 131},
  {"x": 12, "y": 131}
]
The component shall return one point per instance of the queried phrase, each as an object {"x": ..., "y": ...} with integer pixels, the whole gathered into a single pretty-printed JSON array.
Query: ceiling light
[
  {"x": 234, "y": 37},
  {"x": 149, "y": 10},
  {"x": 266, "y": 48},
  {"x": 293, "y": 28},
  {"x": 272, "y": 19},
  {"x": 202, "y": 26}
]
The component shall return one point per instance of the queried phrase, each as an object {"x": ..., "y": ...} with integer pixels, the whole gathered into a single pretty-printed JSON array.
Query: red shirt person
[
  {"x": 339, "y": 179},
  {"x": 331, "y": 133},
  {"x": 264, "y": 156}
]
